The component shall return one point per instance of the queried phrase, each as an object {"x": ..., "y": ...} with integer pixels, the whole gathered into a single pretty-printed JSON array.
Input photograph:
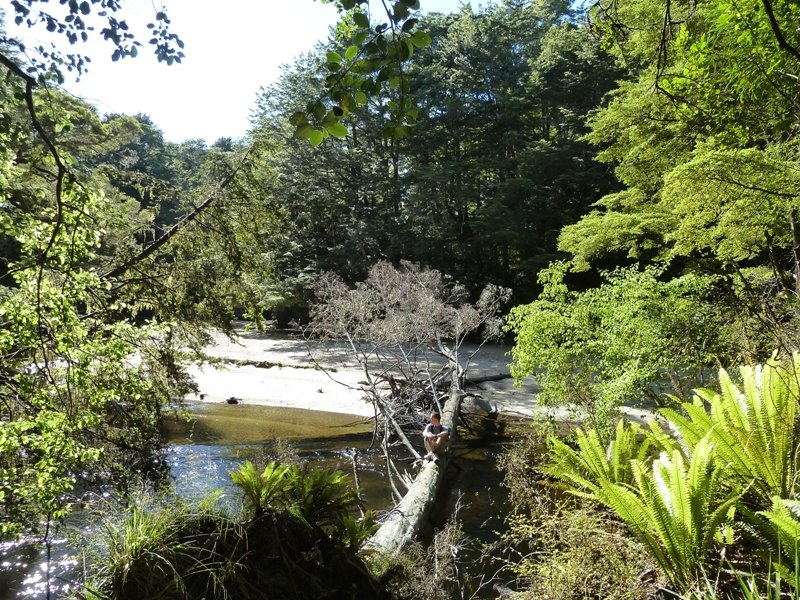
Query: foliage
[
  {"x": 729, "y": 473},
  {"x": 165, "y": 548},
  {"x": 371, "y": 62},
  {"x": 781, "y": 538},
  {"x": 168, "y": 551},
  {"x": 319, "y": 498},
  {"x": 674, "y": 510},
  {"x": 556, "y": 547},
  {"x": 574, "y": 552},
  {"x": 94, "y": 320},
  {"x": 709, "y": 183},
  {"x": 616, "y": 343},
  {"x": 260, "y": 490},
  {"x": 494, "y": 169},
  {"x": 72, "y": 397},
  {"x": 753, "y": 427},
  {"x": 586, "y": 467},
  {"x": 81, "y": 22}
]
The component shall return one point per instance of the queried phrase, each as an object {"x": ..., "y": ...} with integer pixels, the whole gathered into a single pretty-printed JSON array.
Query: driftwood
[
  {"x": 485, "y": 378},
  {"x": 410, "y": 515}
]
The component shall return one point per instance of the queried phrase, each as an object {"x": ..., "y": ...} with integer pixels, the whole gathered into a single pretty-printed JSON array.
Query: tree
[
  {"x": 405, "y": 327},
  {"x": 622, "y": 342},
  {"x": 497, "y": 166},
  {"x": 698, "y": 160},
  {"x": 494, "y": 169}
]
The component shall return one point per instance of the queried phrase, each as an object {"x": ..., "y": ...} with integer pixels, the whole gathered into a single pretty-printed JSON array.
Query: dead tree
[{"x": 406, "y": 328}]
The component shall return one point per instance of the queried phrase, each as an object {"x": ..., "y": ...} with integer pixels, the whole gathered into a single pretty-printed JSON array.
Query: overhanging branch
[{"x": 179, "y": 226}]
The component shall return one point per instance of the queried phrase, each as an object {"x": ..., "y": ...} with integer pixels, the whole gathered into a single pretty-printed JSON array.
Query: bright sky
[{"x": 233, "y": 48}]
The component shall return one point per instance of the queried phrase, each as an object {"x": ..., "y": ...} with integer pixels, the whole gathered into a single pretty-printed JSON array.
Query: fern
[
  {"x": 261, "y": 489},
  {"x": 583, "y": 470},
  {"x": 754, "y": 428},
  {"x": 674, "y": 509},
  {"x": 734, "y": 451},
  {"x": 781, "y": 540}
]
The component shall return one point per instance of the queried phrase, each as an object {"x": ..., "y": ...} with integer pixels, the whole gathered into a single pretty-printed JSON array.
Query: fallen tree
[
  {"x": 406, "y": 327},
  {"x": 409, "y": 516}
]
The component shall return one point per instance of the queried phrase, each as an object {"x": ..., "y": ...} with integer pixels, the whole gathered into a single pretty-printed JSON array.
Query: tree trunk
[{"x": 410, "y": 515}]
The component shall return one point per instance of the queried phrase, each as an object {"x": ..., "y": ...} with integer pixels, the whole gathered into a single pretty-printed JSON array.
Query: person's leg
[{"x": 438, "y": 443}]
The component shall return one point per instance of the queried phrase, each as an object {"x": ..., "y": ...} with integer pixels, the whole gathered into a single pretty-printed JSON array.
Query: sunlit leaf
[
  {"x": 316, "y": 137},
  {"x": 337, "y": 130}
]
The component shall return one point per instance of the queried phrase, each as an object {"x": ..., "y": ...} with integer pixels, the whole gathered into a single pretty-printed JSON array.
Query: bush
[
  {"x": 295, "y": 540},
  {"x": 561, "y": 549}
]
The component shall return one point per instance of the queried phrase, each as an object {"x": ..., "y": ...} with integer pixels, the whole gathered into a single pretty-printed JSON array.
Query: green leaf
[
  {"x": 421, "y": 39},
  {"x": 361, "y": 20},
  {"x": 351, "y": 53},
  {"x": 337, "y": 130},
  {"x": 316, "y": 138},
  {"x": 361, "y": 98},
  {"x": 402, "y": 131},
  {"x": 400, "y": 11},
  {"x": 333, "y": 57},
  {"x": 298, "y": 118},
  {"x": 304, "y": 132},
  {"x": 409, "y": 25}
]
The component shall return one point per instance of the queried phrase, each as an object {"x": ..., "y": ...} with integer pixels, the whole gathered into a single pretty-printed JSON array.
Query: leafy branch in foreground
[
  {"x": 81, "y": 22},
  {"x": 371, "y": 64}
]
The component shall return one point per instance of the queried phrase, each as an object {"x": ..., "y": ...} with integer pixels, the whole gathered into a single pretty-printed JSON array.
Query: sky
[{"x": 231, "y": 53}]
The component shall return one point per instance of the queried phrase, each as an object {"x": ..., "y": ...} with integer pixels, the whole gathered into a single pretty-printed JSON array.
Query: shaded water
[{"x": 219, "y": 437}]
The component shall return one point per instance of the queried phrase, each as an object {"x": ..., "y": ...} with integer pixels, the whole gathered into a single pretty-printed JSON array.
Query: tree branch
[
  {"x": 776, "y": 29},
  {"x": 179, "y": 226}
]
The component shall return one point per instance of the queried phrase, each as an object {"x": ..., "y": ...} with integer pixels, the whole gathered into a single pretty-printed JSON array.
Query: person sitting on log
[{"x": 435, "y": 435}]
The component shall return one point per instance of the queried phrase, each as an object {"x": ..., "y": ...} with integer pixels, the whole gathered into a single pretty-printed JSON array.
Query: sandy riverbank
[{"x": 293, "y": 379}]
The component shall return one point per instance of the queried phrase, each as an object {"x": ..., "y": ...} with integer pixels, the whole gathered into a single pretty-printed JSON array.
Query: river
[{"x": 219, "y": 437}]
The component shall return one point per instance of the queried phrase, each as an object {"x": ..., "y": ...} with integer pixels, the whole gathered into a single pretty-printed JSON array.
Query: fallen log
[
  {"x": 484, "y": 378},
  {"x": 410, "y": 515}
]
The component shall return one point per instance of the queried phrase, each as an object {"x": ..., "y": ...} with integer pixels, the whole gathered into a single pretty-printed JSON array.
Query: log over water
[{"x": 405, "y": 520}]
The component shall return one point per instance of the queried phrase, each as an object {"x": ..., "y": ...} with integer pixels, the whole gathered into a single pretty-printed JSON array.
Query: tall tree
[{"x": 709, "y": 181}]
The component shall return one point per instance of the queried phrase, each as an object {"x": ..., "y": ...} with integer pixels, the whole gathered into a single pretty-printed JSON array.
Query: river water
[{"x": 219, "y": 437}]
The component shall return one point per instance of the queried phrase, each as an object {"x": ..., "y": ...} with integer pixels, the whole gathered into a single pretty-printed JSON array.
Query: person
[{"x": 435, "y": 435}]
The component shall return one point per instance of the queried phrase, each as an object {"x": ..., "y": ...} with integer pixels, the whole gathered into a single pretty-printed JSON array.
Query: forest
[{"x": 613, "y": 179}]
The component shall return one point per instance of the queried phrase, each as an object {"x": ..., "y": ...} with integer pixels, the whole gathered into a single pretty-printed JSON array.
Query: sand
[{"x": 289, "y": 374}]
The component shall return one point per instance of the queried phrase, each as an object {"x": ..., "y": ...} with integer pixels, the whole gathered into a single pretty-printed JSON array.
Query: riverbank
[{"x": 281, "y": 369}]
